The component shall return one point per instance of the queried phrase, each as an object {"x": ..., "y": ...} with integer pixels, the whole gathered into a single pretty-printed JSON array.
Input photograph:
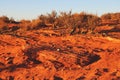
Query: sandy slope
[{"x": 46, "y": 55}]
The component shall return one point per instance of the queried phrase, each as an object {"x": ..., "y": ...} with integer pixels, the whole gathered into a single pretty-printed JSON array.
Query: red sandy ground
[{"x": 46, "y": 55}]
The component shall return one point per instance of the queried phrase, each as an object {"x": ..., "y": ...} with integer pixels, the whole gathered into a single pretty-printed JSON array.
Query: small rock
[{"x": 58, "y": 49}]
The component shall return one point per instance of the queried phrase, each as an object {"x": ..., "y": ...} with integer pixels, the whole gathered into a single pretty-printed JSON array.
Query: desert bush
[
  {"x": 25, "y": 25},
  {"x": 7, "y": 25},
  {"x": 51, "y": 17},
  {"x": 111, "y": 18},
  {"x": 42, "y": 18},
  {"x": 37, "y": 24},
  {"x": 2, "y": 24},
  {"x": 78, "y": 21},
  {"x": 106, "y": 16},
  {"x": 115, "y": 17},
  {"x": 85, "y": 22},
  {"x": 4, "y": 19},
  {"x": 93, "y": 22},
  {"x": 64, "y": 19}
]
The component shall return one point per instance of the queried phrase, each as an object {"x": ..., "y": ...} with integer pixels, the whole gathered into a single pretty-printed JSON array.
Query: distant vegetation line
[{"x": 81, "y": 23}]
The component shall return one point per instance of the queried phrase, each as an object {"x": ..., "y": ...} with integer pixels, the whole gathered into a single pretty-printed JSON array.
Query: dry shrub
[
  {"x": 84, "y": 22},
  {"x": 110, "y": 19},
  {"x": 37, "y": 24},
  {"x": 4, "y": 20},
  {"x": 64, "y": 19},
  {"x": 25, "y": 25},
  {"x": 51, "y": 17}
]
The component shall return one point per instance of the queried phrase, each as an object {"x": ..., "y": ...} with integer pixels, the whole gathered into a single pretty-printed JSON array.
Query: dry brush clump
[
  {"x": 85, "y": 22},
  {"x": 25, "y": 25},
  {"x": 110, "y": 19},
  {"x": 64, "y": 19},
  {"x": 3, "y": 23}
]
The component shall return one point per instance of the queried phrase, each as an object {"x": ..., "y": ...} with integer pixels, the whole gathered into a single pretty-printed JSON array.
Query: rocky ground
[{"x": 46, "y": 55}]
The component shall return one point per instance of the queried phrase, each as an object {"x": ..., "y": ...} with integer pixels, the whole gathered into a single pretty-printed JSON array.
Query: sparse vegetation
[{"x": 71, "y": 22}]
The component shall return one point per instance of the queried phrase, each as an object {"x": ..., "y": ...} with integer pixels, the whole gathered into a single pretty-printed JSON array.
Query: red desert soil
[{"x": 46, "y": 55}]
